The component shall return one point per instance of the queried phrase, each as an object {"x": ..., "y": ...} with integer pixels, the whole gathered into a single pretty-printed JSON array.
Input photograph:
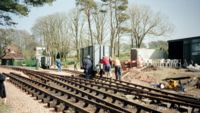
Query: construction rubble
[
  {"x": 178, "y": 80},
  {"x": 195, "y": 68}
]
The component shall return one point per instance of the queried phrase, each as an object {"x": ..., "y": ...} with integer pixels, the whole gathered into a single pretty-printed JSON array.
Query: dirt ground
[
  {"x": 19, "y": 102},
  {"x": 154, "y": 75}
]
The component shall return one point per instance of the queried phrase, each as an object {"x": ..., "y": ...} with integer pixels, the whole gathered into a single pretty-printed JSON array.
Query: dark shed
[{"x": 187, "y": 49}]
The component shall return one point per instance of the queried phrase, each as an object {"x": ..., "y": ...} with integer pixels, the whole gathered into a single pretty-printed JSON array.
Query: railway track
[
  {"x": 175, "y": 102},
  {"x": 70, "y": 71},
  {"x": 106, "y": 88},
  {"x": 134, "y": 91},
  {"x": 67, "y": 96}
]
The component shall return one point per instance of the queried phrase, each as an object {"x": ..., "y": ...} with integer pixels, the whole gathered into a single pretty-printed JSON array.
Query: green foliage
[
  {"x": 86, "y": 4},
  {"x": 158, "y": 45},
  {"x": 38, "y": 2},
  {"x": 123, "y": 17},
  {"x": 69, "y": 61},
  {"x": 161, "y": 45},
  {"x": 13, "y": 6},
  {"x": 18, "y": 7},
  {"x": 125, "y": 56},
  {"x": 4, "y": 108},
  {"x": 30, "y": 62},
  {"x": 18, "y": 62},
  {"x": 143, "y": 45}
]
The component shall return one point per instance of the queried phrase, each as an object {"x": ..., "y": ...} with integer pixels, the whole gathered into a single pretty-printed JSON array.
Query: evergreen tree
[{"x": 17, "y": 7}]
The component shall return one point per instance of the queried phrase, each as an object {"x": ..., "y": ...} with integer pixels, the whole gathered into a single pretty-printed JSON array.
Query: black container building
[{"x": 187, "y": 49}]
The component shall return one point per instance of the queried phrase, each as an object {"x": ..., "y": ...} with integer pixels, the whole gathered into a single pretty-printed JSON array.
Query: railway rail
[
  {"x": 135, "y": 91},
  {"x": 108, "y": 86},
  {"x": 79, "y": 100},
  {"x": 111, "y": 100},
  {"x": 59, "y": 98},
  {"x": 176, "y": 102}
]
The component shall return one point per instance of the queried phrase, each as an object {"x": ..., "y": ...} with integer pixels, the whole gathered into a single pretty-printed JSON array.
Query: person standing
[
  {"x": 87, "y": 65},
  {"x": 75, "y": 66},
  {"x": 58, "y": 62},
  {"x": 110, "y": 61},
  {"x": 118, "y": 71},
  {"x": 2, "y": 88},
  {"x": 106, "y": 66}
]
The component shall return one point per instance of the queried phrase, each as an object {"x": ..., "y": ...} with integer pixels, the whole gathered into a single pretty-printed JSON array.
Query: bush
[
  {"x": 69, "y": 61},
  {"x": 124, "y": 57},
  {"x": 66, "y": 63},
  {"x": 30, "y": 62},
  {"x": 18, "y": 62}
]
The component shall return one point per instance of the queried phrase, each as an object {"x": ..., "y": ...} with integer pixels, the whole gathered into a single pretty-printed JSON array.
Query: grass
[
  {"x": 125, "y": 56},
  {"x": 69, "y": 61},
  {"x": 30, "y": 62},
  {"x": 5, "y": 108}
]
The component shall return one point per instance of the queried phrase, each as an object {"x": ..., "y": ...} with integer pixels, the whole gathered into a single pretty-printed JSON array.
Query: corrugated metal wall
[
  {"x": 185, "y": 49},
  {"x": 175, "y": 50},
  {"x": 195, "y": 50},
  {"x": 96, "y": 52}
]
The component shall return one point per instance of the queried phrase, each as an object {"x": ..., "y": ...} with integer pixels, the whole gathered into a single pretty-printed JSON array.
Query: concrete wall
[
  {"x": 147, "y": 53},
  {"x": 39, "y": 54}
]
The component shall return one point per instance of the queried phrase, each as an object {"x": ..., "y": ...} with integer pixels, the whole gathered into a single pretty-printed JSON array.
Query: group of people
[
  {"x": 88, "y": 70},
  {"x": 88, "y": 66},
  {"x": 107, "y": 66}
]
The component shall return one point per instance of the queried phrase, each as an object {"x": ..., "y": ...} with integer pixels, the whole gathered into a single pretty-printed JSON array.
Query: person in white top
[{"x": 118, "y": 71}]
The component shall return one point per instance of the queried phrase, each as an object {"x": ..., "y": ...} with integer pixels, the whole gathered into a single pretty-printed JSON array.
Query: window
[{"x": 196, "y": 48}]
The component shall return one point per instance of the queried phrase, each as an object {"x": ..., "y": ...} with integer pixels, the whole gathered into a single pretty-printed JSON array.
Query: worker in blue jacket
[{"x": 87, "y": 65}]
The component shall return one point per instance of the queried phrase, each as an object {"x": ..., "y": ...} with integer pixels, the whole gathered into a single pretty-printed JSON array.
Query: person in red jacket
[{"x": 106, "y": 65}]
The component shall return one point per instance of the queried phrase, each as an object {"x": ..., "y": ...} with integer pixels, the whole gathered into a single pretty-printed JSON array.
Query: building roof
[
  {"x": 12, "y": 52},
  {"x": 189, "y": 38},
  {"x": 12, "y": 56}
]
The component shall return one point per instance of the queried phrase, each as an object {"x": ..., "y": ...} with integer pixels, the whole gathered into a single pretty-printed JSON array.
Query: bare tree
[
  {"x": 88, "y": 7},
  {"x": 4, "y": 39},
  {"x": 21, "y": 38},
  {"x": 100, "y": 20},
  {"x": 115, "y": 10},
  {"x": 146, "y": 23},
  {"x": 54, "y": 32},
  {"x": 76, "y": 29}
]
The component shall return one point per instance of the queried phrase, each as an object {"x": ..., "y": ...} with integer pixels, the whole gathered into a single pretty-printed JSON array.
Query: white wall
[{"x": 148, "y": 53}]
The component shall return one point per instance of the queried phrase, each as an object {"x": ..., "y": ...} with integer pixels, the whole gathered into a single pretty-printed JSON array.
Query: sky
[{"x": 183, "y": 14}]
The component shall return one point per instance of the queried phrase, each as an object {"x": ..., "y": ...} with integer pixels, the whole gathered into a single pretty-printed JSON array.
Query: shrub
[{"x": 30, "y": 62}]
